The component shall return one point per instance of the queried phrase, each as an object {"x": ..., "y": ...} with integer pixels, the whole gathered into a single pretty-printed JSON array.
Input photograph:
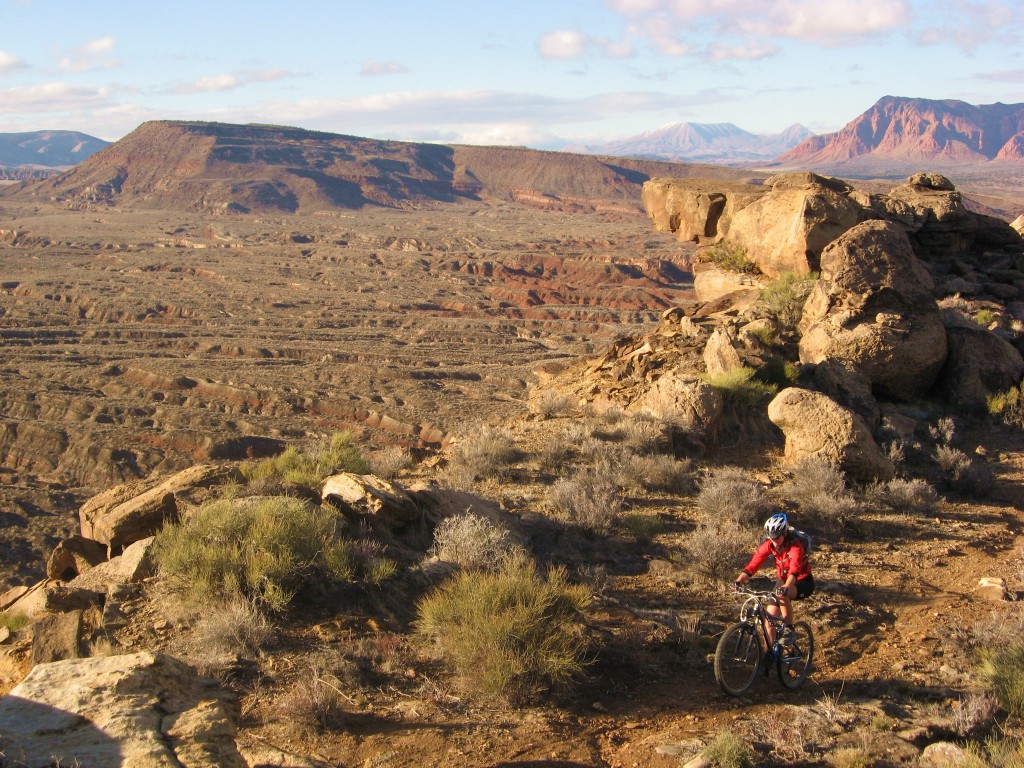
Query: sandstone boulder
[
  {"x": 682, "y": 398},
  {"x": 786, "y": 229},
  {"x": 130, "y": 567},
  {"x": 695, "y": 209},
  {"x": 843, "y": 382},
  {"x": 372, "y": 497},
  {"x": 126, "y": 514},
  {"x": 142, "y": 710},
  {"x": 873, "y": 307},
  {"x": 979, "y": 364},
  {"x": 50, "y": 596},
  {"x": 74, "y": 556},
  {"x": 720, "y": 355},
  {"x": 711, "y": 282},
  {"x": 817, "y": 426}
]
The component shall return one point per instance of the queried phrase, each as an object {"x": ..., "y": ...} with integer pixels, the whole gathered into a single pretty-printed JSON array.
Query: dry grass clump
[
  {"x": 509, "y": 634},
  {"x": 818, "y": 489},
  {"x": 233, "y": 627},
  {"x": 260, "y": 550},
  {"x": 731, "y": 256},
  {"x": 315, "y": 701},
  {"x": 784, "y": 297},
  {"x": 308, "y": 468},
  {"x": 850, "y": 757},
  {"x": 389, "y": 461},
  {"x": 550, "y": 404},
  {"x": 715, "y": 553},
  {"x": 472, "y": 541},
  {"x": 658, "y": 473},
  {"x": 1002, "y": 669},
  {"x": 590, "y": 498},
  {"x": 729, "y": 495},
  {"x": 908, "y": 497},
  {"x": 486, "y": 454},
  {"x": 729, "y": 750},
  {"x": 13, "y": 620},
  {"x": 1009, "y": 406},
  {"x": 740, "y": 387}
]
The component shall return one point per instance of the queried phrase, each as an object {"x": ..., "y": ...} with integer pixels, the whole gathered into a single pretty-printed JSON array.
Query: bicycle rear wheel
[
  {"x": 738, "y": 659},
  {"x": 795, "y": 659}
]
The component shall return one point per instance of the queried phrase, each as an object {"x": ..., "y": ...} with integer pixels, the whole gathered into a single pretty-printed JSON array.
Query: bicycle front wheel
[
  {"x": 795, "y": 659},
  {"x": 738, "y": 659}
]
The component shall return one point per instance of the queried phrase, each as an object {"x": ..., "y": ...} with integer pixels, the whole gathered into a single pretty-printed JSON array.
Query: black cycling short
[{"x": 804, "y": 587}]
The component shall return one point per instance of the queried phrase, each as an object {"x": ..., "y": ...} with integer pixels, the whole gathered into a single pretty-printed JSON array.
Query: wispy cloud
[
  {"x": 93, "y": 55},
  {"x": 573, "y": 44},
  {"x": 10, "y": 63},
  {"x": 231, "y": 81},
  {"x": 1006, "y": 76},
  {"x": 374, "y": 68},
  {"x": 51, "y": 97}
]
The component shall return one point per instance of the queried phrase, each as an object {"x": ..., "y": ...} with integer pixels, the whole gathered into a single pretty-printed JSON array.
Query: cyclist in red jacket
[{"x": 793, "y": 573}]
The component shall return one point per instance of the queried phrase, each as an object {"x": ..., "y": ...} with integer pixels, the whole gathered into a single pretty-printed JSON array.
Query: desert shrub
[
  {"x": 643, "y": 434},
  {"x": 1009, "y": 406},
  {"x": 943, "y": 431},
  {"x": 658, "y": 473},
  {"x": 963, "y": 473},
  {"x": 550, "y": 403},
  {"x": 590, "y": 498},
  {"x": 976, "y": 714},
  {"x": 472, "y": 541},
  {"x": 818, "y": 489},
  {"x": 778, "y": 372},
  {"x": 309, "y": 468},
  {"x": 783, "y": 298},
  {"x": 729, "y": 750},
  {"x": 731, "y": 256},
  {"x": 764, "y": 334},
  {"x": 13, "y": 620},
  {"x": 730, "y": 495},
  {"x": 508, "y": 634},
  {"x": 909, "y": 497},
  {"x": 715, "y": 553},
  {"x": 233, "y": 627},
  {"x": 389, "y": 461},
  {"x": 741, "y": 387},
  {"x": 486, "y": 454},
  {"x": 315, "y": 700},
  {"x": 260, "y": 550},
  {"x": 1002, "y": 669},
  {"x": 641, "y": 527}
]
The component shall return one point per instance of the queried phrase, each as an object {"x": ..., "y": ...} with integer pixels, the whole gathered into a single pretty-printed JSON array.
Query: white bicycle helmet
[{"x": 776, "y": 525}]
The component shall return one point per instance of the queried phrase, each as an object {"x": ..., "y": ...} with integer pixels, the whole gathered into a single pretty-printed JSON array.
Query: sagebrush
[{"x": 309, "y": 468}]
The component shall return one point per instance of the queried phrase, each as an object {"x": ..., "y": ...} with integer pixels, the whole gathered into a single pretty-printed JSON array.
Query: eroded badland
[{"x": 142, "y": 339}]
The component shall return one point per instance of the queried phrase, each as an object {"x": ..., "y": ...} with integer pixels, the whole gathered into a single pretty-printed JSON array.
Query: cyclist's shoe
[{"x": 786, "y": 638}]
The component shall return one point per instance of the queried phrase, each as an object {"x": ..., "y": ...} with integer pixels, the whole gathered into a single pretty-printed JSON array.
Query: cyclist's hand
[
  {"x": 781, "y": 591},
  {"x": 736, "y": 586}
]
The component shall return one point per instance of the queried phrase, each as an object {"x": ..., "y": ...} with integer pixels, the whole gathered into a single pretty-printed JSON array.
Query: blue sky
[{"x": 540, "y": 73}]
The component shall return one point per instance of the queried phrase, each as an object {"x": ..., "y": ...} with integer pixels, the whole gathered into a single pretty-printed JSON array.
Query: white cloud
[
  {"x": 51, "y": 97},
  {"x": 750, "y": 51},
  {"x": 231, "y": 81},
  {"x": 562, "y": 44},
  {"x": 10, "y": 63},
  {"x": 373, "y": 68},
  {"x": 90, "y": 56}
]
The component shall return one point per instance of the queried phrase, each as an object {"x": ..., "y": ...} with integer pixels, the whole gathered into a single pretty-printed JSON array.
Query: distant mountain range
[
  {"x": 47, "y": 149},
  {"x": 701, "y": 142},
  {"x": 901, "y": 131}
]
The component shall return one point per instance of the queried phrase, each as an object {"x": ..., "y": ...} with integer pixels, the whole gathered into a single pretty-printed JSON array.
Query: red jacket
[{"x": 789, "y": 558}]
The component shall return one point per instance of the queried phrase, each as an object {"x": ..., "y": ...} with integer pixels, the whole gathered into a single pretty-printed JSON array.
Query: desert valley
[{"x": 487, "y": 368}]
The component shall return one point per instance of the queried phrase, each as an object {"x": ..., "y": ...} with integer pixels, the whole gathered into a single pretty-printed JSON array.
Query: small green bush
[
  {"x": 962, "y": 472},
  {"x": 908, "y": 497},
  {"x": 13, "y": 620},
  {"x": 1002, "y": 668},
  {"x": 985, "y": 318},
  {"x": 740, "y": 386},
  {"x": 641, "y": 527},
  {"x": 310, "y": 468},
  {"x": 784, "y": 297},
  {"x": 260, "y": 550},
  {"x": 486, "y": 454},
  {"x": 731, "y": 256},
  {"x": 510, "y": 634},
  {"x": 729, "y": 750},
  {"x": 1009, "y": 406}
]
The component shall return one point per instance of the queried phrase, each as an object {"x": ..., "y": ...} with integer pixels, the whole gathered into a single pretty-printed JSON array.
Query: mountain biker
[{"x": 792, "y": 570}]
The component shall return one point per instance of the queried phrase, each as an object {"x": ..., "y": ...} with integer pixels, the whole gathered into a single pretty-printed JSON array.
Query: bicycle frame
[{"x": 753, "y": 610}]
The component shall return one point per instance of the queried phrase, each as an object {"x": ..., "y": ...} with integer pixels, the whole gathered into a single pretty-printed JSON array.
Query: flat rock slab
[{"x": 140, "y": 710}]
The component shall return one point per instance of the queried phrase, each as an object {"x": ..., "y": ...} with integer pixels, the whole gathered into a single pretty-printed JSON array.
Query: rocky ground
[{"x": 132, "y": 350}]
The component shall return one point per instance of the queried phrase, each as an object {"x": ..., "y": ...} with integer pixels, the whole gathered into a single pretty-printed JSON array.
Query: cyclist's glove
[
  {"x": 736, "y": 586},
  {"x": 781, "y": 591}
]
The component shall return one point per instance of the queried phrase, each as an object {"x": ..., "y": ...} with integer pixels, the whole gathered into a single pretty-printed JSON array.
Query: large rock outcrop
[
  {"x": 816, "y": 426},
  {"x": 980, "y": 364},
  {"x": 873, "y": 306},
  {"x": 141, "y": 710}
]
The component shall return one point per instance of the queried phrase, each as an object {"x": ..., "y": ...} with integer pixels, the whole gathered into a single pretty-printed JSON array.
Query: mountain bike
[{"x": 746, "y": 647}]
